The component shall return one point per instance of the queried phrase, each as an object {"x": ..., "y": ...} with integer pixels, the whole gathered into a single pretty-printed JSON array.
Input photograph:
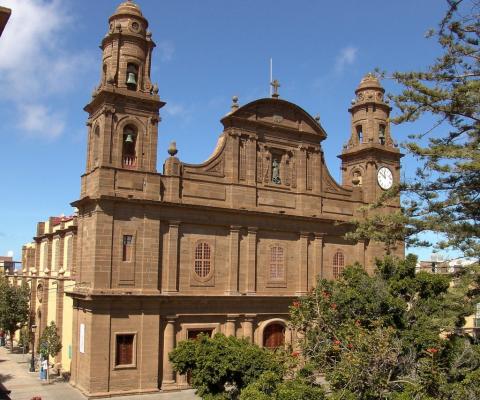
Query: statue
[{"x": 276, "y": 172}]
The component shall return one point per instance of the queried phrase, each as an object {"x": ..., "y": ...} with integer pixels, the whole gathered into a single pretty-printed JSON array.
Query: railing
[{"x": 129, "y": 162}]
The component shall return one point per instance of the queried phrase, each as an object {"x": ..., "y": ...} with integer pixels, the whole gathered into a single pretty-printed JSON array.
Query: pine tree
[{"x": 444, "y": 197}]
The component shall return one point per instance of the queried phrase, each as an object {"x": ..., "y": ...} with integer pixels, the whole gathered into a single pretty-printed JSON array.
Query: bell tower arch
[
  {"x": 370, "y": 158},
  {"x": 124, "y": 109}
]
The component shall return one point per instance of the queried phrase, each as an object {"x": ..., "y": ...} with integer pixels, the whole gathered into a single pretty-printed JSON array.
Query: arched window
[
  {"x": 104, "y": 74},
  {"x": 203, "y": 263},
  {"x": 274, "y": 336},
  {"x": 132, "y": 76},
  {"x": 129, "y": 157},
  {"x": 381, "y": 134},
  {"x": 359, "y": 133},
  {"x": 277, "y": 264},
  {"x": 96, "y": 146},
  {"x": 338, "y": 264}
]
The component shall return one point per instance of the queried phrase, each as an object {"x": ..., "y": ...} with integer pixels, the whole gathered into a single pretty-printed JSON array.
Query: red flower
[
  {"x": 295, "y": 354},
  {"x": 325, "y": 294},
  {"x": 333, "y": 306},
  {"x": 357, "y": 323},
  {"x": 296, "y": 304},
  {"x": 349, "y": 345},
  {"x": 432, "y": 350},
  {"x": 336, "y": 342}
]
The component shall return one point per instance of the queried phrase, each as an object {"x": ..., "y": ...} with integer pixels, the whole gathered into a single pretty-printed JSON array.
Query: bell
[
  {"x": 129, "y": 138},
  {"x": 131, "y": 80}
]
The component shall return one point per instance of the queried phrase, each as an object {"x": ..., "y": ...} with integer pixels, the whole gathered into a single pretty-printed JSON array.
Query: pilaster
[
  {"x": 171, "y": 281},
  {"x": 251, "y": 260},
  {"x": 232, "y": 288}
]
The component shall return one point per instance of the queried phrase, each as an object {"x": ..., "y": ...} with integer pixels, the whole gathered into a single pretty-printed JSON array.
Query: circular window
[
  {"x": 202, "y": 265},
  {"x": 135, "y": 27}
]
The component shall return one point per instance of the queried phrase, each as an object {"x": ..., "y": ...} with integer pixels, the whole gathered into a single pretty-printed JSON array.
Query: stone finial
[
  {"x": 155, "y": 88},
  {"x": 234, "y": 103},
  {"x": 317, "y": 118},
  {"x": 172, "y": 149}
]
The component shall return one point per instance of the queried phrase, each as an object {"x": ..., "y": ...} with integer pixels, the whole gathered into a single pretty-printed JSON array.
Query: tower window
[
  {"x": 359, "y": 133},
  {"x": 129, "y": 159},
  {"x": 132, "y": 76},
  {"x": 127, "y": 248},
  {"x": 338, "y": 264},
  {"x": 202, "y": 264},
  {"x": 381, "y": 134}
]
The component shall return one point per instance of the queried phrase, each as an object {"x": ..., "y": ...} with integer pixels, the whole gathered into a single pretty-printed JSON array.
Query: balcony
[{"x": 129, "y": 162}]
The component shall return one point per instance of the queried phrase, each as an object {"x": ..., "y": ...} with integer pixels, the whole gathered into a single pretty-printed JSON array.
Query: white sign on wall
[{"x": 82, "y": 338}]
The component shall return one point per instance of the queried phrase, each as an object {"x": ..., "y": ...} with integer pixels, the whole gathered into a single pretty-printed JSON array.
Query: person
[
  {"x": 2, "y": 337},
  {"x": 43, "y": 368}
]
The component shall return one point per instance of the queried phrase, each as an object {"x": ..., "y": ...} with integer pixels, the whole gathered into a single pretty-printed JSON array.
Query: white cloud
[
  {"x": 166, "y": 49},
  {"x": 36, "y": 65},
  {"x": 39, "y": 120},
  {"x": 346, "y": 57},
  {"x": 175, "y": 110}
]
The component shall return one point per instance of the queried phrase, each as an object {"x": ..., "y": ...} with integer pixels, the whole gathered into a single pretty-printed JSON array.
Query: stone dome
[
  {"x": 128, "y": 8},
  {"x": 369, "y": 81}
]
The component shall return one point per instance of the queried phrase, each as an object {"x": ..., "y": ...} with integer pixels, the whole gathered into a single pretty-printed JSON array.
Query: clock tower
[{"x": 370, "y": 158}]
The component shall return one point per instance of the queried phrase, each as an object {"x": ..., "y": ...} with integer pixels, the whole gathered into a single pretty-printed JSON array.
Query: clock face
[{"x": 385, "y": 178}]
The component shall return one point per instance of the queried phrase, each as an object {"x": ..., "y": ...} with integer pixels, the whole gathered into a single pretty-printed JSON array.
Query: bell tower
[
  {"x": 124, "y": 109},
  {"x": 370, "y": 158}
]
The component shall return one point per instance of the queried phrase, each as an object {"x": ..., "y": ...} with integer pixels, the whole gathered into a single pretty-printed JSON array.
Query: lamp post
[{"x": 32, "y": 361}]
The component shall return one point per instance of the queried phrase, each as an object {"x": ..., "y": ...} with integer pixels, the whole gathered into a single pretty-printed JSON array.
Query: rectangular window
[
  {"x": 127, "y": 248},
  {"x": 124, "y": 349}
]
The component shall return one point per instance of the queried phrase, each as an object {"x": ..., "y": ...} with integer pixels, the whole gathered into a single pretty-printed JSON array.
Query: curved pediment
[{"x": 277, "y": 113}]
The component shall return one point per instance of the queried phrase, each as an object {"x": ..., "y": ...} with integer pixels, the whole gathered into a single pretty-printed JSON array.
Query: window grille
[{"x": 202, "y": 264}]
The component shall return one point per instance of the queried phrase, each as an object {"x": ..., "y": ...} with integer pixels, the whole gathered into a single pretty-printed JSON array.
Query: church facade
[{"x": 223, "y": 246}]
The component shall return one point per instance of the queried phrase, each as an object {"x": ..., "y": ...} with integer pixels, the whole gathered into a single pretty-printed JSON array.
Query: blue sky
[{"x": 207, "y": 51}]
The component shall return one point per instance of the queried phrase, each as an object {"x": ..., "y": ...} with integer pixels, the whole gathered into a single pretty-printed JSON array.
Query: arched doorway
[{"x": 274, "y": 336}]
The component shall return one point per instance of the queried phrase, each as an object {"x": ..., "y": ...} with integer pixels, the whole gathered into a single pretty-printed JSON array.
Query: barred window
[
  {"x": 202, "y": 265},
  {"x": 124, "y": 351},
  {"x": 277, "y": 263},
  {"x": 338, "y": 264}
]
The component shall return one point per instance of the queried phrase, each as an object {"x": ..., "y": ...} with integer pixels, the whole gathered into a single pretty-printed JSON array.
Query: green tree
[
  {"x": 444, "y": 196},
  {"x": 14, "y": 306},
  {"x": 392, "y": 335},
  {"x": 50, "y": 343},
  {"x": 221, "y": 364},
  {"x": 270, "y": 386}
]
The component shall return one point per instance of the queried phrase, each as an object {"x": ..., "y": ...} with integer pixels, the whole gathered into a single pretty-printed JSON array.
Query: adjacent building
[
  {"x": 221, "y": 246},
  {"x": 49, "y": 268}
]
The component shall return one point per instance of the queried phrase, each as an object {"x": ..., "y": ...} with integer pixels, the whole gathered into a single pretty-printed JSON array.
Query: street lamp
[{"x": 32, "y": 361}]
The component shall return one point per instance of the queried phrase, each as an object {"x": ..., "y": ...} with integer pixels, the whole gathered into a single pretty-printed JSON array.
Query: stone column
[
  {"x": 231, "y": 325},
  {"x": 252, "y": 261},
  {"x": 248, "y": 327},
  {"x": 59, "y": 316},
  {"x": 233, "y": 267},
  {"x": 171, "y": 285},
  {"x": 318, "y": 267},
  {"x": 303, "y": 265},
  {"x": 168, "y": 380}
]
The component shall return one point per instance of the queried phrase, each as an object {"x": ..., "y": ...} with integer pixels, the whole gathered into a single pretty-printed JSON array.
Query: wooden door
[{"x": 274, "y": 336}]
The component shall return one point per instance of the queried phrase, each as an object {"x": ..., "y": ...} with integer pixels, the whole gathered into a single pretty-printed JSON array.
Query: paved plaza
[{"x": 24, "y": 385}]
